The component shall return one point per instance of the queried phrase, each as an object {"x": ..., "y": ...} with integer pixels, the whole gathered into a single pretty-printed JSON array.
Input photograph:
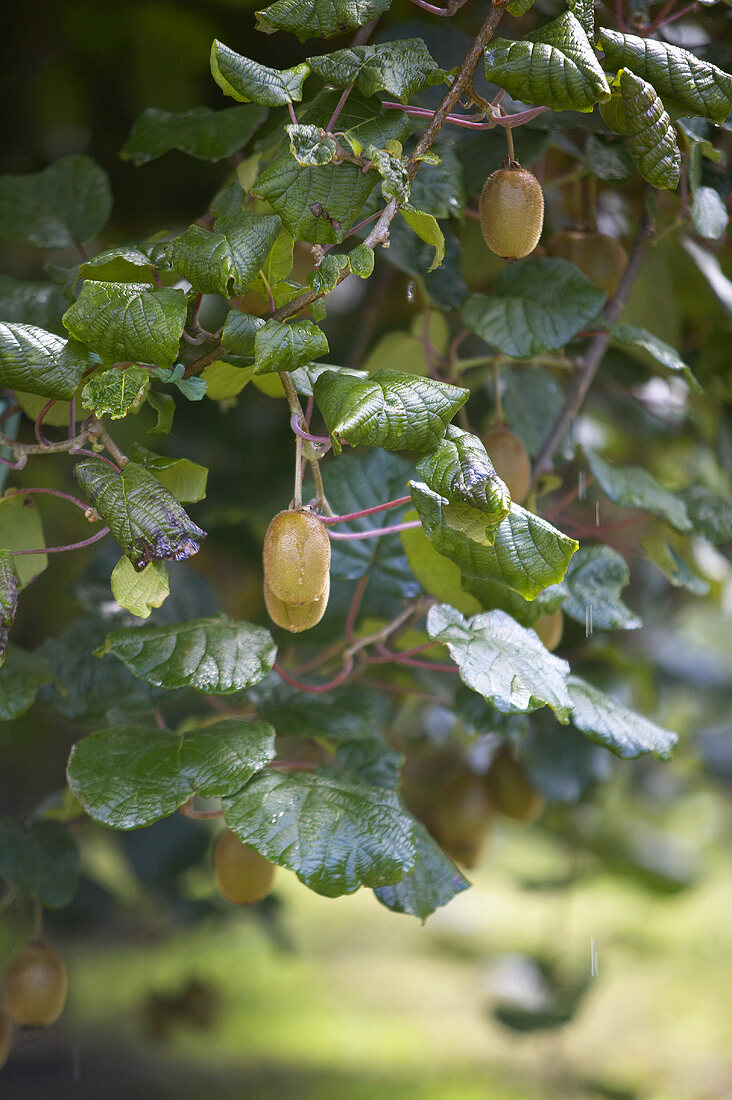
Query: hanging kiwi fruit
[
  {"x": 296, "y": 560},
  {"x": 602, "y": 259}
]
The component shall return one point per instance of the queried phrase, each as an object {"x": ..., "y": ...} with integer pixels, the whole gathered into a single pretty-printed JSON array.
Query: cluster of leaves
[{"x": 469, "y": 573}]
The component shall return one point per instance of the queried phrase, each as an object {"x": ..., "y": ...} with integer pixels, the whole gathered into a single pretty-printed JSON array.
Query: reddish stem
[
  {"x": 348, "y": 516},
  {"x": 318, "y": 689},
  {"x": 52, "y": 493},
  {"x": 39, "y": 421},
  {"x": 60, "y": 549},
  {"x": 339, "y": 107},
  {"x": 93, "y": 454},
  {"x": 354, "y": 608},
  {"x": 293, "y": 116},
  {"x": 321, "y": 440},
  {"x": 375, "y": 532}
]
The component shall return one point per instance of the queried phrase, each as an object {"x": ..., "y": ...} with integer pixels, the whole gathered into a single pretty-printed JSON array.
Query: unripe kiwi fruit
[
  {"x": 549, "y": 628},
  {"x": 35, "y": 986},
  {"x": 296, "y": 617},
  {"x": 296, "y": 556},
  {"x": 510, "y": 789},
  {"x": 603, "y": 259},
  {"x": 242, "y": 875},
  {"x": 510, "y": 460},
  {"x": 511, "y": 212},
  {"x": 6, "y": 1036},
  {"x": 461, "y": 816}
]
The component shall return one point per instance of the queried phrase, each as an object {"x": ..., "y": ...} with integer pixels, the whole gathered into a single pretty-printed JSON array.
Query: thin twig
[
  {"x": 375, "y": 532},
  {"x": 62, "y": 549},
  {"x": 348, "y": 516}
]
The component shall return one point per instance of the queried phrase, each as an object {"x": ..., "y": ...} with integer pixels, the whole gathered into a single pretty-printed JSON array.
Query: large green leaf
[
  {"x": 137, "y": 592},
  {"x": 128, "y": 777},
  {"x": 503, "y": 661},
  {"x": 638, "y": 113},
  {"x": 9, "y": 585},
  {"x": 554, "y": 66},
  {"x": 39, "y": 362},
  {"x": 146, "y": 520},
  {"x": 461, "y": 471},
  {"x": 115, "y": 393},
  {"x": 352, "y": 484},
  {"x": 536, "y": 306},
  {"x": 524, "y": 551},
  {"x": 21, "y": 529},
  {"x": 124, "y": 264},
  {"x": 249, "y": 82},
  {"x": 32, "y": 302},
  {"x": 428, "y": 230},
  {"x": 401, "y": 68},
  {"x": 334, "y": 833},
  {"x": 42, "y": 860},
  {"x": 595, "y": 577},
  {"x": 65, "y": 204},
  {"x": 613, "y": 725},
  {"x": 185, "y": 479},
  {"x": 491, "y": 594},
  {"x": 215, "y": 655},
  {"x": 319, "y": 18},
  {"x": 285, "y": 347},
  {"x": 200, "y": 132},
  {"x": 226, "y": 259},
  {"x": 676, "y": 73},
  {"x": 433, "y": 881},
  {"x": 710, "y": 514},
  {"x": 20, "y": 678},
  {"x": 399, "y": 412},
  {"x": 437, "y": 575},
  {"x": 239, "y": 331},
  {"x": 634, "y": 487},
  {"x": 128, "y": 322}
]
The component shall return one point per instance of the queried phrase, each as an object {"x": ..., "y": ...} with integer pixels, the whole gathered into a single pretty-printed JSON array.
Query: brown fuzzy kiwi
[
  {"x": 550, "y": 628},
  {"x": 35, "y": 986},
  {"x": 510, "y": 460},
  {"x": 510, "y": 789},
  {"x": 296, "y": 556},
  {"x": 512, "y": 212},
  {"x": 242, "y": 875},
  {"x": 461, "y": 816},
  {"x": 296, "y": 617},
  {"x": 603, "y": 259}
]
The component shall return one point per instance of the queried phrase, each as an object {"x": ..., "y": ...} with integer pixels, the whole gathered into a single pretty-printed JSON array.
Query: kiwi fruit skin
[
  {"x": 296, "y": 556},
  {"x": 296, "y": 617},
  {"x": 510, "y": 460},
  {"x": 510, "y": 789},
  {"x": 549, "y": 628},
  {"x": 601, "y": 258},
  {"x": 462, "y": 817},
  {"x": 242, "y": 875},
  {"x": 6, "y": 1036},
  {"x": 35, "y": 986},
  {"x": 511, "y": 212}
]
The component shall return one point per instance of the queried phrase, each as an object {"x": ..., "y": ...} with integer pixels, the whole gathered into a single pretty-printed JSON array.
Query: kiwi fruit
[{"x": 511, "y": 212}]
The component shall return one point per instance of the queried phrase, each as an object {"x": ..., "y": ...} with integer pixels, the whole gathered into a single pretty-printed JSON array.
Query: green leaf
[
  {"x": 224, "y": 380},
  {"x": 584, "y": 10},
  {"x": 146, "y": 520},
  {"x": 433, "y": 881},
  {"x": 394, "y": 172},
  {"x": 137, "y": 592},
  {"x": 531, "y": 401},
  {"x": 128, "y": 322},
  {"x": 239, "y": 332},
  {"x": 490, "y": 594},
  {"x": 357, "y": 482},
  {"x": 124, "y": 264},
  {"x": 642, "y": 118},
  {"x": 285, "y": 347},
  {"x": 320, "y": 204},
  {"x": 536, "y": 306},
  {"x": 249, "y": 82},
  {"x": 335, "y": 834},
  {"x": 517, "y": 8},
  {"x": 311, "y": 145},
  {"x": 399, "y": 412},
  {"x": 128, "y": 777},
  {"x": 319, "y": 18},
  {"x": 502, "y": 661},
  {"x": 662, "y": 352},
  {"x": 401, "y": 68},
  {"x": 226, "y": 259},
  {"x": 554, "y": 66},
  {"x": 116, "y": 392},
  {"x": 65, "y": 204},
  {"x": 461, "y": 471},
  {"x": 710, "y": 514},
  {"x": 622, "y": 731},
  {"x": 200, "y": 132},
  {"x": 20, "y": 678},
  {"x": 164, "y": 406},
  {"x": 438, "y": 576},
  {"x": 708, "y": 213},
  {"x": 32, "y": 302},
  {"x": 525, "y": 552},
  {"x": 20, "y": 529},
  {"x": 9, "y": 586},
  {"x": 595, "y": 578},
  {"x": 673, "y": 72},
  {"x": 42, "y": 860},
  {"x": 40, "y": 362},
  {"x": 275, "y": 270},
  {"x": 427, "y": 229},
  {"x": 185, "y": 479},
  {"x": 439, "y": 189},
  {"x": 215, "y": 655},
  {"x": 673, "y": 565},
  {"x": 193, "y": 388},
  {"x": 634, "y": 487}
]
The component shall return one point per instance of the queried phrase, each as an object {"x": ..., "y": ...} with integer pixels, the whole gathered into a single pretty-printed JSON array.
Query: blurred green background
[{"x": 175, "y": 994}]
